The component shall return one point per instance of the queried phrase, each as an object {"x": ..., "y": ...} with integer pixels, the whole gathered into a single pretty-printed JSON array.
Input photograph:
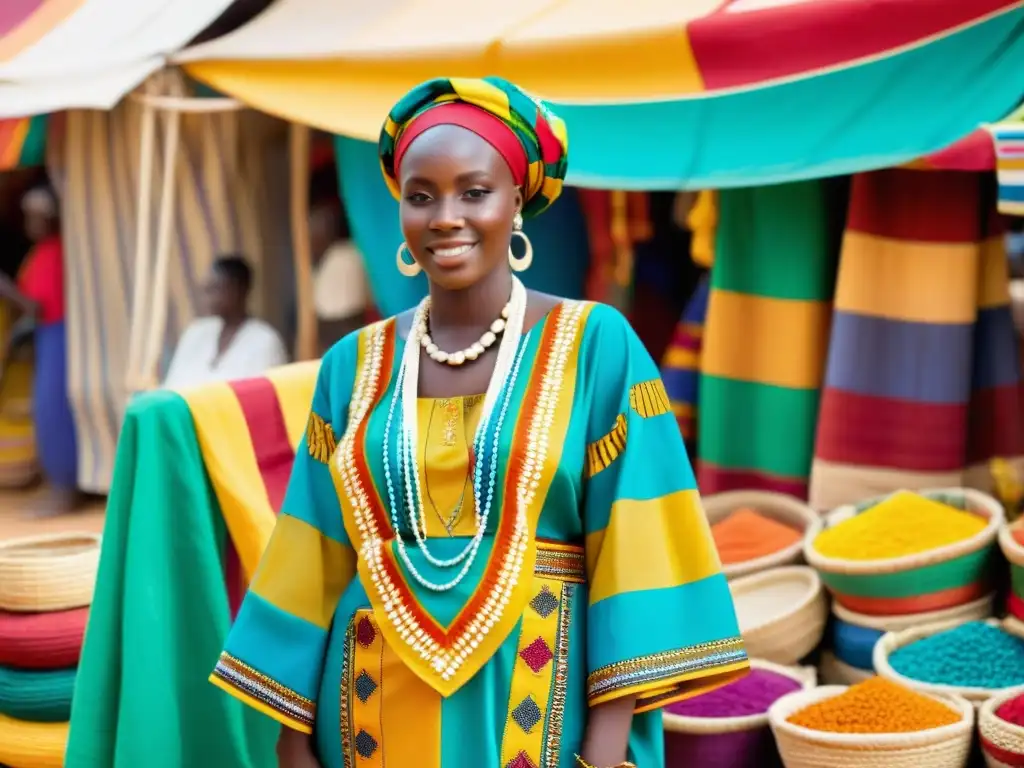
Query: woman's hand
[
  {"x": 295, "y": 750},
  {"x": 606, "y": 741}
]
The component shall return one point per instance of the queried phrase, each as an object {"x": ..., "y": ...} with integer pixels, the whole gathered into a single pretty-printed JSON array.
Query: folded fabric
[
  {"x": 32, "y": 745},
  {"x": 42, "y": 640},
  {"x": 37, "y": 696}
]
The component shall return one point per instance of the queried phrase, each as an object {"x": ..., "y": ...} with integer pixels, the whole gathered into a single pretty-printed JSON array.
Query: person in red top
[{"x": 39, "y": 293}]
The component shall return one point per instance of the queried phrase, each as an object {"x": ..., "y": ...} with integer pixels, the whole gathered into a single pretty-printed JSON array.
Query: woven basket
[
  {"x": 785, "y": 509},
  {"x": 836, "y": 672},
  {"x": 1001, "y": 742},
  {"x": 42, "y": 640},
  {"x": 782, "y": 613},
  {"x": 727, "y": 742},
  {"x": 945, "y": 747},
  {"x": 891, "y": 641},
  {"x": 1014, "y": 552},
  {"x": 928, "y": 581},
  {"x": 854, "y": 635},
  {"x": 48, "y": 573}
]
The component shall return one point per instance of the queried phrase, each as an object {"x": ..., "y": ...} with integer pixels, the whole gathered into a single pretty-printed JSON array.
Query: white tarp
[{"x": 96, "y": 53}]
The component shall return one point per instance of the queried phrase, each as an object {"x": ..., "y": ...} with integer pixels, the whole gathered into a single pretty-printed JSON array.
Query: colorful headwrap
[{"x": 539, "y": 131}]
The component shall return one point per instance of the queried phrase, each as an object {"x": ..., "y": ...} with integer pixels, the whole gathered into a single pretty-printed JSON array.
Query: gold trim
[
  {"x": 649, "y": 399},
  {"x": 258, "y": 687},
  {"x": 320, "y": 439},
  {"x": 603, "y": 451}
]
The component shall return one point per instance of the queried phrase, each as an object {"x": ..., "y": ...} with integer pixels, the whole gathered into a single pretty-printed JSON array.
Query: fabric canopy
[
  {"x": 657, "y": 94},
  {"x": 59, "y": 54}
]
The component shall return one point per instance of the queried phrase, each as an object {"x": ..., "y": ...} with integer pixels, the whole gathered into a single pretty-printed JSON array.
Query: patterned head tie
[{"x": 528, "y": 135}]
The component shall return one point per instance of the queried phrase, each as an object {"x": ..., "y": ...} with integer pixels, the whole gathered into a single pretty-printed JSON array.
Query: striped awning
[
  {"x": 657, "y": 93},
  {"x": 58, "y": 54}
]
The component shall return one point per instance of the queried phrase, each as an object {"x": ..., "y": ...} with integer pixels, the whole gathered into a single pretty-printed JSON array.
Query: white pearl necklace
[
  {"x": 503, "y": 379},
  {"x": 473, "y": 351}
]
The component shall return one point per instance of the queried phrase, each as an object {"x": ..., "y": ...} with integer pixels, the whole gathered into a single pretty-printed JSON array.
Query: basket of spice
[
  {"x": 854, "y": 635},
  {"x": 1011, "y": 541},
  {"x": 909, "y": 553},
  {"x": 782, "y": 613},
  {"x": 1001, "y": 728},
  {"x": 973, "y": 659},
  {"x": 874, "y": 724},
  {"x": 728, "y": 727},
  {"x": 757, "y": 530}
]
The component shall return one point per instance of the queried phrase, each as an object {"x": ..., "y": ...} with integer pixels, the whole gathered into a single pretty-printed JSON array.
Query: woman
[
  {"x": 39, "y": 295},
  {"x": 553, "y": 580}
]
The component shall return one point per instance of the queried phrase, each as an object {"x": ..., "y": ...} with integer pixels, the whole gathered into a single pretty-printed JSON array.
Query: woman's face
[{"x": 458, "y": 202}]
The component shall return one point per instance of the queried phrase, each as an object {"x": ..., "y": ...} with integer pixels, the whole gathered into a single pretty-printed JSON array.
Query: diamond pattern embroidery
[
  {"x": 536, "y": 655},
  {"x": 544, "y": 603},
  {"x": 365, "y": 633},
  {"x": 365, "y": 686},
  {"x": 366, "y": 745},
  {"x": 527, "y": 714},
  {"x": 522, "y": 760}
]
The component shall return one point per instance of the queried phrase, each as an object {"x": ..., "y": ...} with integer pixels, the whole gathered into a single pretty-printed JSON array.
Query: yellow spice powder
[{"x": 904, "y": 524}]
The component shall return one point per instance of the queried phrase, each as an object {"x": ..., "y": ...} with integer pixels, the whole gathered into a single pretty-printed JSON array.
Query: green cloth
[{"x": 160, "y": 614}]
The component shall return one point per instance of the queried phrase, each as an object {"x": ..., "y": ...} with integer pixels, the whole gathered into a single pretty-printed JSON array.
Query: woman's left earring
[
  {"x": 521, "y": 263},
  {"x": 407, "y": 269}
]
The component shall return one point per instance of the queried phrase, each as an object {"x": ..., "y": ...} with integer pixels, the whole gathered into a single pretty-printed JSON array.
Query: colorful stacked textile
[
  {"x": 923, "y": 385},
  {"x": 39, "y": 654},
  {"x": 765, "y": 339}
]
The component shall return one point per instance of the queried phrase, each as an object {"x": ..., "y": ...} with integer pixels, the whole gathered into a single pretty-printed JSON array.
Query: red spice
[{"x": 1012, "y": 711}]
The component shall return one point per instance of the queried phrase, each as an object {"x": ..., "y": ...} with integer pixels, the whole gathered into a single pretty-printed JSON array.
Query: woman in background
[{"x": 39, "y": 295}]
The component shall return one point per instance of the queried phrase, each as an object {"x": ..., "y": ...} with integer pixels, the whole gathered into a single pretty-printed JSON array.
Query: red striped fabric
[
  {"x": 274, "y": 456},
  {"x": 712, "y": 479},
  {"x": 882, "y": 432}
]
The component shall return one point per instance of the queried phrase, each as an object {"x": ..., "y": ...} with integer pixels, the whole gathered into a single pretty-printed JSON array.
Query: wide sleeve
[
  {"x": 661, "y": 624},
  {"x": 274, "y": 654}
]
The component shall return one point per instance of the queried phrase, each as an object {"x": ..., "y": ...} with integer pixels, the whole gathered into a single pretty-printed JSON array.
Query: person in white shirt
[{"x": 227, "y": 344}]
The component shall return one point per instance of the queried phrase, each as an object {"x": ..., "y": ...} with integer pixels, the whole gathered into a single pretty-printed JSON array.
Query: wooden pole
[{"x": 306, "y": 341}]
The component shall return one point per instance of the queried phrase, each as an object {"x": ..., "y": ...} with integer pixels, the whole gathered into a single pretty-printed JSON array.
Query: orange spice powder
[{"x": 747, "y": 534}]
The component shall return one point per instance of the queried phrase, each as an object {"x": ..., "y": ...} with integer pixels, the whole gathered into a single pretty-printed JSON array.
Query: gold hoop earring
[
  {"x": 522, "y": 263},
  {"x": 407, "y": 269}
]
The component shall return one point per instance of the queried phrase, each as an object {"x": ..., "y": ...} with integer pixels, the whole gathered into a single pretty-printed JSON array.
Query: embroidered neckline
[{"x": 446, "y": 657}]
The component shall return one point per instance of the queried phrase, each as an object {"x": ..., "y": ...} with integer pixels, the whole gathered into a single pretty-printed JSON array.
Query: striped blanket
[{"x": 923, "y": 385}]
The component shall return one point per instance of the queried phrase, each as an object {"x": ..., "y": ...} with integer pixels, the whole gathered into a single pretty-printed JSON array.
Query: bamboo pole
[
  {"x": 142, "y": 246},
  {"x": 161, "y": 288},
  {"x": 306, "y": 346}
]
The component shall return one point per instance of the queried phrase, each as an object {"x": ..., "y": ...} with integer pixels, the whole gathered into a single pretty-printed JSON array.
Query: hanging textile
[
  {"x": 22, "y": 142},
  {"x": 1008, "y": 137},
  {"x": 923, "y": 380},
  {"x": 765, "y": 338},
  {"x": 221, "y": 206},
  {"x": 680, "y": 365},
  {"x": 616, "y": 221}
]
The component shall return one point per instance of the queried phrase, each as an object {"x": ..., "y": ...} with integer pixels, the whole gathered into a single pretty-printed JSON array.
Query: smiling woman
[{"x": 492, "y": 553}]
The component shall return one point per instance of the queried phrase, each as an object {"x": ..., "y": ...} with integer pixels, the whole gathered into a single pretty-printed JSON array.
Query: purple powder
[{"x": 750, "y": 695}]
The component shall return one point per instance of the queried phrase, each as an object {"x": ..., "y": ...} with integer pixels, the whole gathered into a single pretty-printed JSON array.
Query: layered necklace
[{"x": 496, "y": 400}]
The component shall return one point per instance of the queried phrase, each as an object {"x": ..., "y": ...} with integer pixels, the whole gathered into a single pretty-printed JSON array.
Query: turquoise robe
[{"x": 616, "y": 589}]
